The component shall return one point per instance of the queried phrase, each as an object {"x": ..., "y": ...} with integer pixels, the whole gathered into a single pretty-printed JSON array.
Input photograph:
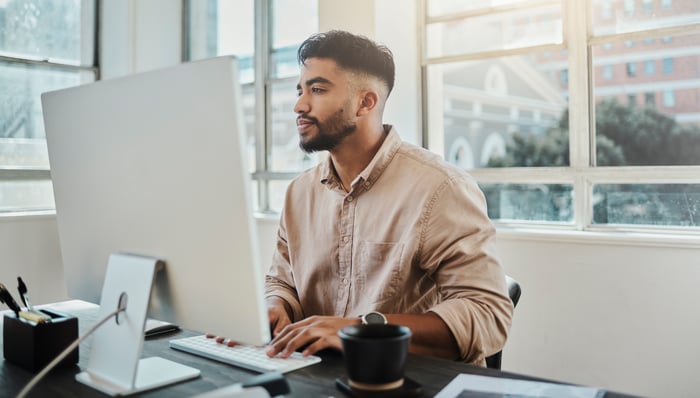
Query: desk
[{"x": 314, "y": 381}]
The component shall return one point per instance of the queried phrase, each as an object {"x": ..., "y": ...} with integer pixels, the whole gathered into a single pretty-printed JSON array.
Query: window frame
[
  {"x": 581, "y": 172},
  {"x": 89, "y": 42}
]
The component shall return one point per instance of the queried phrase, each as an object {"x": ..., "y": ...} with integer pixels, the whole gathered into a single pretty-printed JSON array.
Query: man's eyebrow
[{"x": 315, "y": 80}]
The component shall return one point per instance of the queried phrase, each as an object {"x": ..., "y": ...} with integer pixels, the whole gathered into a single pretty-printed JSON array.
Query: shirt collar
[{"x": 374, "y": 169}]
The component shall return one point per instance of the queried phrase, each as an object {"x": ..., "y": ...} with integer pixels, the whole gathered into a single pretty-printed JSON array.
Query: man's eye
[{"x": 316, "y": 90}]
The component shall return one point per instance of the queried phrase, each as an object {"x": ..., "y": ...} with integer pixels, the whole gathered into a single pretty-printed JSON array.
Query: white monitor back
[{"x": 155, "y": 164}]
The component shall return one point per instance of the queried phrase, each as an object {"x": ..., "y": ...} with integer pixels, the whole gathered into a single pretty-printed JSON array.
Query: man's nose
[{"x": 302, "y": 105}]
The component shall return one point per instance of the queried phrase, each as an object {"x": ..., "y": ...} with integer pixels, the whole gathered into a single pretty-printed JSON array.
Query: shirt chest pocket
[{"x": 378, "y": 274}]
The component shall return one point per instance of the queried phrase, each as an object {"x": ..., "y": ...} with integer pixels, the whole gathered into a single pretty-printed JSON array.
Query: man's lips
[{"x": 303, "y": 124}]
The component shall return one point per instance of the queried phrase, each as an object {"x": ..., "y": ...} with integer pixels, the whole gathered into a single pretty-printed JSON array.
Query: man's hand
[
  {"x": 316, "y": 333},
  {"x": 278, "y": 314}
]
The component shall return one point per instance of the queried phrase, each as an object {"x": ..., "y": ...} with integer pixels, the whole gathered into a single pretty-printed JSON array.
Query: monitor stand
[{"x": 115, "y": 366}]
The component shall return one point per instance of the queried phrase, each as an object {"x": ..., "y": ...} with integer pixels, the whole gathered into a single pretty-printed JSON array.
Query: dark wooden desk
[{"x": 314, "y": 381}]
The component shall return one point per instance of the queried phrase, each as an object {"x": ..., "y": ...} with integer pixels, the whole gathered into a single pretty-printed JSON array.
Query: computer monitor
[{"x": 155, "y": 164}]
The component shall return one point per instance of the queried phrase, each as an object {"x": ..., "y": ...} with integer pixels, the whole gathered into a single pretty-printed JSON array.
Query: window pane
[
  {"x": 26, "y": 195},
  {"x": 48, "y": 29},
  {"x": 440, "y": 7},
  {"x": 648, "y": 118},
  {"x": 286, "y": 155},
  {"x": 508, "y": 111},
  {"x": 222, "y": 28},
  {"x": 530, "y": 202},
  {"x": 647, "y": 204},
  {"x": 292, "y": 22},
  {"x": 499, "y": 31},
  {"x": 619, "y": 16},
  {"x": 277, "y": 191},
  {"x": 22, "y": 137},
  {"x": 283, "y": 62}
]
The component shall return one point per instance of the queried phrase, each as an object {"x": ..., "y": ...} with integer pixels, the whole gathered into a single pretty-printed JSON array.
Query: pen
[
  {"x": 33, "y": 316},
  {"x": 6, "y": 297},
  {"x": 23, "y": 295}
]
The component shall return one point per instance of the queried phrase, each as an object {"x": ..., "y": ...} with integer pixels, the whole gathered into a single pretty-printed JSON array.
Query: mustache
[{"x": 306, "y": 116}]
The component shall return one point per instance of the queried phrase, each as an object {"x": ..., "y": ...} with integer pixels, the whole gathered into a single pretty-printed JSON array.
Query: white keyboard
[{"x": 242, "y": 355}]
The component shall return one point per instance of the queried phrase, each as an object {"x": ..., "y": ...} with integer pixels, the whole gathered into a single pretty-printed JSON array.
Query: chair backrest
[{"x": 494, "y": 361}]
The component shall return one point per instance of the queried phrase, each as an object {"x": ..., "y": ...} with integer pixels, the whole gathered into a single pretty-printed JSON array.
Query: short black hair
[{"x": 351, "y": 52}]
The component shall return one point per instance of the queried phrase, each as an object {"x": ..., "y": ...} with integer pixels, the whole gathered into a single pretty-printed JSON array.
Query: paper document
[{"x": 472, "y": 386}]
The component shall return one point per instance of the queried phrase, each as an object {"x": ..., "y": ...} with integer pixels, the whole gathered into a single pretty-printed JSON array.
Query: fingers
[
  {"x": 289, "y": 339},
  {"x": 316, "y": 333},
  {"x": 326, "y": 341},
  {"x": 279, "y": 319}
]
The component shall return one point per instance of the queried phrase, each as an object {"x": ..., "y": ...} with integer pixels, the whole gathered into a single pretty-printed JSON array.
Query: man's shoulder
[{"x": 430, "y": 162}]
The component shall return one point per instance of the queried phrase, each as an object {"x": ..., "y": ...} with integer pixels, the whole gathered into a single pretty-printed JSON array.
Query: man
[{"x": 380, "y": 225}]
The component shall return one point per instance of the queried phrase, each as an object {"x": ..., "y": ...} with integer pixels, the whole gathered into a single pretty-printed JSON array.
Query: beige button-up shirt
[{"x": 412, "y": 235}]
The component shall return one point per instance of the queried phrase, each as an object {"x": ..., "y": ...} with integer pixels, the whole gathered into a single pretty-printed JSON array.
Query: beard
[{"x": 330, "y": 132}]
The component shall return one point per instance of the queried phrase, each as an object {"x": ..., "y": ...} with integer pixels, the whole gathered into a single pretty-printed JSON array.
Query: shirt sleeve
[
  {"x": 458, "y": 251},
  {"x": 279, "y": 280}
]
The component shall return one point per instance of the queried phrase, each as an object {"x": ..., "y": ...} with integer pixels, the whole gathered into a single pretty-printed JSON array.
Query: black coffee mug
[{"x": 375, "y": 355}]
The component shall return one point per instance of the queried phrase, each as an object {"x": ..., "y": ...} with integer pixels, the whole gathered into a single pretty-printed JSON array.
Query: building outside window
[
  {"x": 44, "y": 45},
  {"x": 616, "y": 164}
]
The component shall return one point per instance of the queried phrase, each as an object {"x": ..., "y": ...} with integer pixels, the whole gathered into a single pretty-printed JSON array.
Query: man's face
[{"x": 325, "y": 109}]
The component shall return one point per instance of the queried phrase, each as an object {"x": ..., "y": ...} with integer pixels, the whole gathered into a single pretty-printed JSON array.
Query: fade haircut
[{"x": 351, "y": 52}]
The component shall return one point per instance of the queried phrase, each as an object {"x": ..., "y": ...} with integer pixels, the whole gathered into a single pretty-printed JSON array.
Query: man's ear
[{"x": 368, "y": 101}]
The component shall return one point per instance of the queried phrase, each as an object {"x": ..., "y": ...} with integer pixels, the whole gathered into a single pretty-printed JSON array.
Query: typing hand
[
  {"x": 316, "y": 333},
  {"x": 279, "y": 318}
]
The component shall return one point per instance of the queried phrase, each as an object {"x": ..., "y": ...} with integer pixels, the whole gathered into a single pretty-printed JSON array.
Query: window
[
  {"x": 45, "y": 45},
  {"x": 668, "y": 65},
  {"x": 567, "y": 169},
  {"x": 649, "y": 67},
  {"x": 669, "y": 98},
  {"x": 234, "y": 27},
  {"x": 607, "y": 72},
  {"x": 650, "y": 99}
]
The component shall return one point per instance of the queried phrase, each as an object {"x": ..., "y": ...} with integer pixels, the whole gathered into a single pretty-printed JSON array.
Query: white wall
[
  {"x": 617, "y": 315},
  {"x": 594, "y": 311},
  {"x": 29, "y": 248}
]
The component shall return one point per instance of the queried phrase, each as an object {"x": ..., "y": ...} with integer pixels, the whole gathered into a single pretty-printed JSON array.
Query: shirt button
[
  {"x": 345, "y": 239},
  {"x": 349, "y": 198},
  {"x": 344, "y": 281},
  {"x": 367, "y": 184}
]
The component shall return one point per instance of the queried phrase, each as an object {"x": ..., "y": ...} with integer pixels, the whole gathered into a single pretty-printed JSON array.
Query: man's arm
[
  {"x": 279, "y": 282},
  {"x": 459, "y": 254}
]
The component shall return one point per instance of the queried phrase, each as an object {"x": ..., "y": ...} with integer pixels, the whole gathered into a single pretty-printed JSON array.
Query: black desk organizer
[{"x": 33, "y": 345}]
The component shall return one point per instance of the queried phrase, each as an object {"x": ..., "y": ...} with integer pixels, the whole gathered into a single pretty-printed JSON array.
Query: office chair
[{"x": 494, "y": 361}]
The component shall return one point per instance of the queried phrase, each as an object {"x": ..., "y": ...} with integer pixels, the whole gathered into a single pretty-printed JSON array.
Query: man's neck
[{"x": 355, "y": 153}]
